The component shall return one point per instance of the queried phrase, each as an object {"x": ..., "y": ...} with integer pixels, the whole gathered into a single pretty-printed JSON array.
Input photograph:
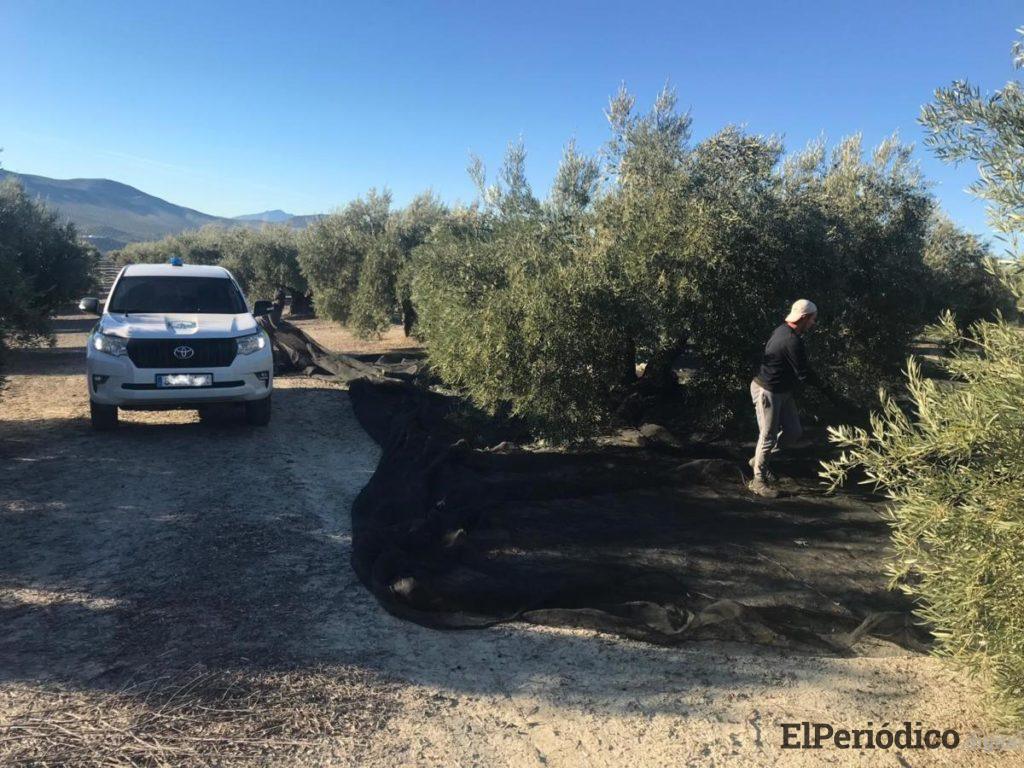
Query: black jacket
[{"x": 784, "y": 362}]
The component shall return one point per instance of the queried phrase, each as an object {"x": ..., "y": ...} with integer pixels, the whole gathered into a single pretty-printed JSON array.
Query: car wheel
[
  {"x": 208, "y": 415},
  {"x": 257, "y": 413},
  {"x": 103, "y": 417},
  {"x": 217, "y": 414}
]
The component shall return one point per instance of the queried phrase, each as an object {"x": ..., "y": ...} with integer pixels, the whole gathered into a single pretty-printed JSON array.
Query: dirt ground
[
  {"x": 339, "y": 339},
  {"x": 180, "y": 593}
]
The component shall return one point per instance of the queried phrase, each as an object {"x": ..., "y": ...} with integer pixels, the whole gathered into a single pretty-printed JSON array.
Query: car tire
[
  {"x": 257, "y": 412},
  {"x": 212, "y": 415},
  {"x": 103, "y": 417}
]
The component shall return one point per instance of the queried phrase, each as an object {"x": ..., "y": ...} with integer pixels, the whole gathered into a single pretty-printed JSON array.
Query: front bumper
[{"x": 135, "y": 388}]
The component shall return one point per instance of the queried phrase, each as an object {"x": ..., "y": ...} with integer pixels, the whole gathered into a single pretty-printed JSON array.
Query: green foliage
[
  {"x": 964, "y": 125},
  {"x": 510, "y": 196},
  {"x": 332, "y": 251},
  {"x": 262, "y": 260},
  {"x": 952, "y": 462},
  {"x": 547, "y": 308},
  {"x": 200, "y": 246},
  {"x": 374, "y": 302},
  {"x": 512, "y": 316},
  {"x": 42, "y": 263},
  {"x": 358, "y": 260},
  {"x": 965, "y": 279},
  {"x": 355, "y": 261},
  {"x": 855, "y": 245},
  {"x": 952, "y": 469},
  {"x": 575, "y": 186},
  {"x": 412, "y": 226}
]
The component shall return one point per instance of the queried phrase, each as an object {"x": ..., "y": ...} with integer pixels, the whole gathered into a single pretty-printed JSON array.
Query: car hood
[{"x": 161, "y": 326}]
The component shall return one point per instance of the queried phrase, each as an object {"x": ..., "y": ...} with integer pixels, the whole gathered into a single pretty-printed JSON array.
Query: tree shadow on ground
[
  {"x": 663, "y": 545},
  {"x": 172, "y": 567},
  {"x": 142, "y": 554}
]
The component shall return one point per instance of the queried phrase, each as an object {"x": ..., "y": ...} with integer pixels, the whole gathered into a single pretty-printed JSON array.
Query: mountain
[
  {"x": 110, "y": 214},
  {"x": 303, "y": 221},
  {"x": 276, "y": 216}
]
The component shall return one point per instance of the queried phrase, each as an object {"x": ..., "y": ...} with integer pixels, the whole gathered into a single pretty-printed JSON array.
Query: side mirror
[
  {"x": 91, "y": 305},
  {"x": 261, "y": 308}
]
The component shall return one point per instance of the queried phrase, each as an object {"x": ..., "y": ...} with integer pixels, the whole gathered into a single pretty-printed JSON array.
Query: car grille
[{"x": 159, "y": 353}]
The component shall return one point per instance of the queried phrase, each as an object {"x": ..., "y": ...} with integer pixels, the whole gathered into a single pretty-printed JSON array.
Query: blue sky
[{"x": 233, "y": 108}]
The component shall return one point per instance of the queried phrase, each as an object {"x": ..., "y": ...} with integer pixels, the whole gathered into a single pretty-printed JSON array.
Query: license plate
[{"x": 184, "y": 380}]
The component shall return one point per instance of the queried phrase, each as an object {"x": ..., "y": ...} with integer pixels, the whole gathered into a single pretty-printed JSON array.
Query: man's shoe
[
  {"x": 766, "y": 474},
  {"x": 762, "y": 489}
]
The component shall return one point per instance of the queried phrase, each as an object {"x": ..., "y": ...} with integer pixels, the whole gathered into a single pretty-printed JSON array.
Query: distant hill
[
  {"x": 111, "y": 214},
  {"x": 276, "y": 216},
  {"x": 301, "y": 222}
]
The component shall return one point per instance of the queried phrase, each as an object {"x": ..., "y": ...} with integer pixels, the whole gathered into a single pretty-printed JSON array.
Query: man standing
[{"x": 783, "y": 367}]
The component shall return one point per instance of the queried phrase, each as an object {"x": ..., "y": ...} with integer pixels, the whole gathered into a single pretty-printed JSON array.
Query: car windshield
[{"x": 201, "y": 295}]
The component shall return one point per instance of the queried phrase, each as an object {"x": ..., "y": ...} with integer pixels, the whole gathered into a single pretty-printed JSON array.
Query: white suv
[{"x": 177, "y": 337}]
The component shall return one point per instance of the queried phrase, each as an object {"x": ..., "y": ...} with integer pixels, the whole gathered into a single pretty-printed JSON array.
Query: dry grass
[{"x": 196, "y": 718}]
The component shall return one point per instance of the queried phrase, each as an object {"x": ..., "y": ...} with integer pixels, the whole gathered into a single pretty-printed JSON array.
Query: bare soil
[
  {"x": 180, "y": 593},
  {"x": 338, "y": 338}
]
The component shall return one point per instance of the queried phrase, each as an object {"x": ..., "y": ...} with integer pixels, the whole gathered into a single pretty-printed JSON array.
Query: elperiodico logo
[{"x": 905, "y": 735}]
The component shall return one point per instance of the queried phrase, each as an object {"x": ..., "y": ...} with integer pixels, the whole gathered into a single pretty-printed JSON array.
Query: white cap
[{"x": 801, "y": 308}]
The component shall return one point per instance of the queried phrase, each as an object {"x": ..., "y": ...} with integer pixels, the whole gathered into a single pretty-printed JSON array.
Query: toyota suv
[{"x": 173, "y": 337}]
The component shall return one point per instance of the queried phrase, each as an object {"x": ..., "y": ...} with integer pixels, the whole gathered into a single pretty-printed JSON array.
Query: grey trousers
[{"x": 778, "y": 422}]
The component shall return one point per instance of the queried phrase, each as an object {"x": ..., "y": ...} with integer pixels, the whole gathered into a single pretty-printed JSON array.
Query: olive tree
[
  {"x": 358, "y": 260},
  {"x": 641, "y": 228},
  {"x": 964, "y": 126},
  {"x": 666, "y": 246},
  {"x": 964, "y": 276},
  {"x": 951, "y": 463},
  {"x": 264, "y": 260},
  {"x": 391, "y": 271},
  {"x": 333, "y": 248},
  {"x": 517, "y": 319},
  {"x": 856, "y": 232},
  {"x": 43, "y": 265},
  {"x": 201, "y": 246}
]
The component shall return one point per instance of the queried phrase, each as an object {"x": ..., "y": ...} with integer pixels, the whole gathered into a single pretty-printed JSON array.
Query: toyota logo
[{"x": 183, "y": 352}]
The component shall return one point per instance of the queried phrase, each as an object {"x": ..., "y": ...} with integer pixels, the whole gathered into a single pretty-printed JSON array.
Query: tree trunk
[
  {"x": 629, "y": 363},
  {"x": 302, "y": 303},
  {"x": 658, "y": 372},
  {"x": 408, "y": 316}
]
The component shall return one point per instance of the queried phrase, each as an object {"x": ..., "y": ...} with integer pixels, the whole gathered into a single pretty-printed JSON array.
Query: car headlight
[
  {"x": 112, "y": 345},
  {"x": 249, "y": 344}
]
